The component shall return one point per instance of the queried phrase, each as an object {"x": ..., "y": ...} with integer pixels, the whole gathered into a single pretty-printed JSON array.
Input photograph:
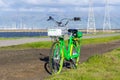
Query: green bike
[{"x": 59, "y": 52}]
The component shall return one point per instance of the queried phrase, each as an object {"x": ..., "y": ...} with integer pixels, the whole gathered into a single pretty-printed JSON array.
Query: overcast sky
[
  {"x": 62, "y": 6},
  {"x": 55, "y": 5}
]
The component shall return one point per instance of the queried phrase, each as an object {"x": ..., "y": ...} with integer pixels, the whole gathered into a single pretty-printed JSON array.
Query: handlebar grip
[
  {"x": 50, "y": 18},
  {"x": 76, "y": 19}
]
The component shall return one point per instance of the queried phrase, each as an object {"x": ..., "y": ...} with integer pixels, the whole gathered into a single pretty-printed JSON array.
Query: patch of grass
[
  {"x": 48, "y": 44},
  {"x": 100, "y": 40},
  {"x": 2, "y": 38},
  {"x": 97, "y": 67},
  {"x": 33, "y": 45}
]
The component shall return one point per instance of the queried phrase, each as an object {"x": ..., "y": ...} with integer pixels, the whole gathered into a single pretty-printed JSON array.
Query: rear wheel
[
  {"x": 76, "y": 50},
  {"x": 56, "y": 59}
]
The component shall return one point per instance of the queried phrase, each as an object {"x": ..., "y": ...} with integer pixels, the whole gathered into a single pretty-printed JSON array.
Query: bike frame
[{"x": 67, "y": 53}]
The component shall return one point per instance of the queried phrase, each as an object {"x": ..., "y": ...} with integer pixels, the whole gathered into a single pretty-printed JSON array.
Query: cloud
[
  {"x": 36, "y": 2},
  {"x": 3, "y": 4},
  {"x": 53, "y": 5},
  {"x": 114, "y": 1}
]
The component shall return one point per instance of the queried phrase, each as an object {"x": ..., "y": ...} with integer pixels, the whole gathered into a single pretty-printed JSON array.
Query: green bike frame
[{"x": 68, "y": 53}]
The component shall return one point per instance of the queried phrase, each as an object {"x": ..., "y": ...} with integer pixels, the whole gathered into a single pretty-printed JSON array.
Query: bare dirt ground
[{"x": 31, "y": 64}]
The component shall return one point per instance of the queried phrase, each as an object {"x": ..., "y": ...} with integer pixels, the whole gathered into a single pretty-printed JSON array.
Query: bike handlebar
[{"x": 60, "y": 24}]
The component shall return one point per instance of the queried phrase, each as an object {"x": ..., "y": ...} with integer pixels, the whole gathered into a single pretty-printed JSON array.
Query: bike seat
[{"x": 72, "y": 30}]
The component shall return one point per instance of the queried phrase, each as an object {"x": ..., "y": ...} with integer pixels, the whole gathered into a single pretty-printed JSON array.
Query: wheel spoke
[
  {"x": 76, "y": 50},
  {"x": 55, "y": 59}
]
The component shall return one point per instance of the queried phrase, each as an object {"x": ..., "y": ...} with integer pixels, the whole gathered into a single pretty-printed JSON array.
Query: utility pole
[
  {"x": 107, "y": 23},
  {"x": 91, "y": 19}
]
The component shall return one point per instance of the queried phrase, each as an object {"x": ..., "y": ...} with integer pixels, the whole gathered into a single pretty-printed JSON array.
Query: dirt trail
[{"x": 31, "y": 64}]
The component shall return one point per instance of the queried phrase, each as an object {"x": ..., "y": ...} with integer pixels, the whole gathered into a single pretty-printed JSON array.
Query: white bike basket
[{"x": 55, "y": 32}]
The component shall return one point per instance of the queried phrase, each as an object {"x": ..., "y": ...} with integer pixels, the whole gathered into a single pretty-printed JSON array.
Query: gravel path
[{"x": 4, "y": 43}]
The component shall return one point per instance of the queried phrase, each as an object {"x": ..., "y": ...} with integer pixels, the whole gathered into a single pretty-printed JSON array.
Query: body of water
[{"x": 22, "y": 34}]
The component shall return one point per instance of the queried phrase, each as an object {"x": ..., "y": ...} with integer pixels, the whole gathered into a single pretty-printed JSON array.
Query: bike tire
[
  {"x": 76, "y": 49},
  {"x": 55, "y": 58}
]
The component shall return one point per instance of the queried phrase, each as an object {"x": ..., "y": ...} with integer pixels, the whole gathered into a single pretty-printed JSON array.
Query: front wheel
[{"x": 55, "y": 59}]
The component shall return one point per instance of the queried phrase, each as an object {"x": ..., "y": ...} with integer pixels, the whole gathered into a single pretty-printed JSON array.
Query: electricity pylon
[
  {"x": 91, "y": 19},
  {"x": 107, "y": 23}
]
